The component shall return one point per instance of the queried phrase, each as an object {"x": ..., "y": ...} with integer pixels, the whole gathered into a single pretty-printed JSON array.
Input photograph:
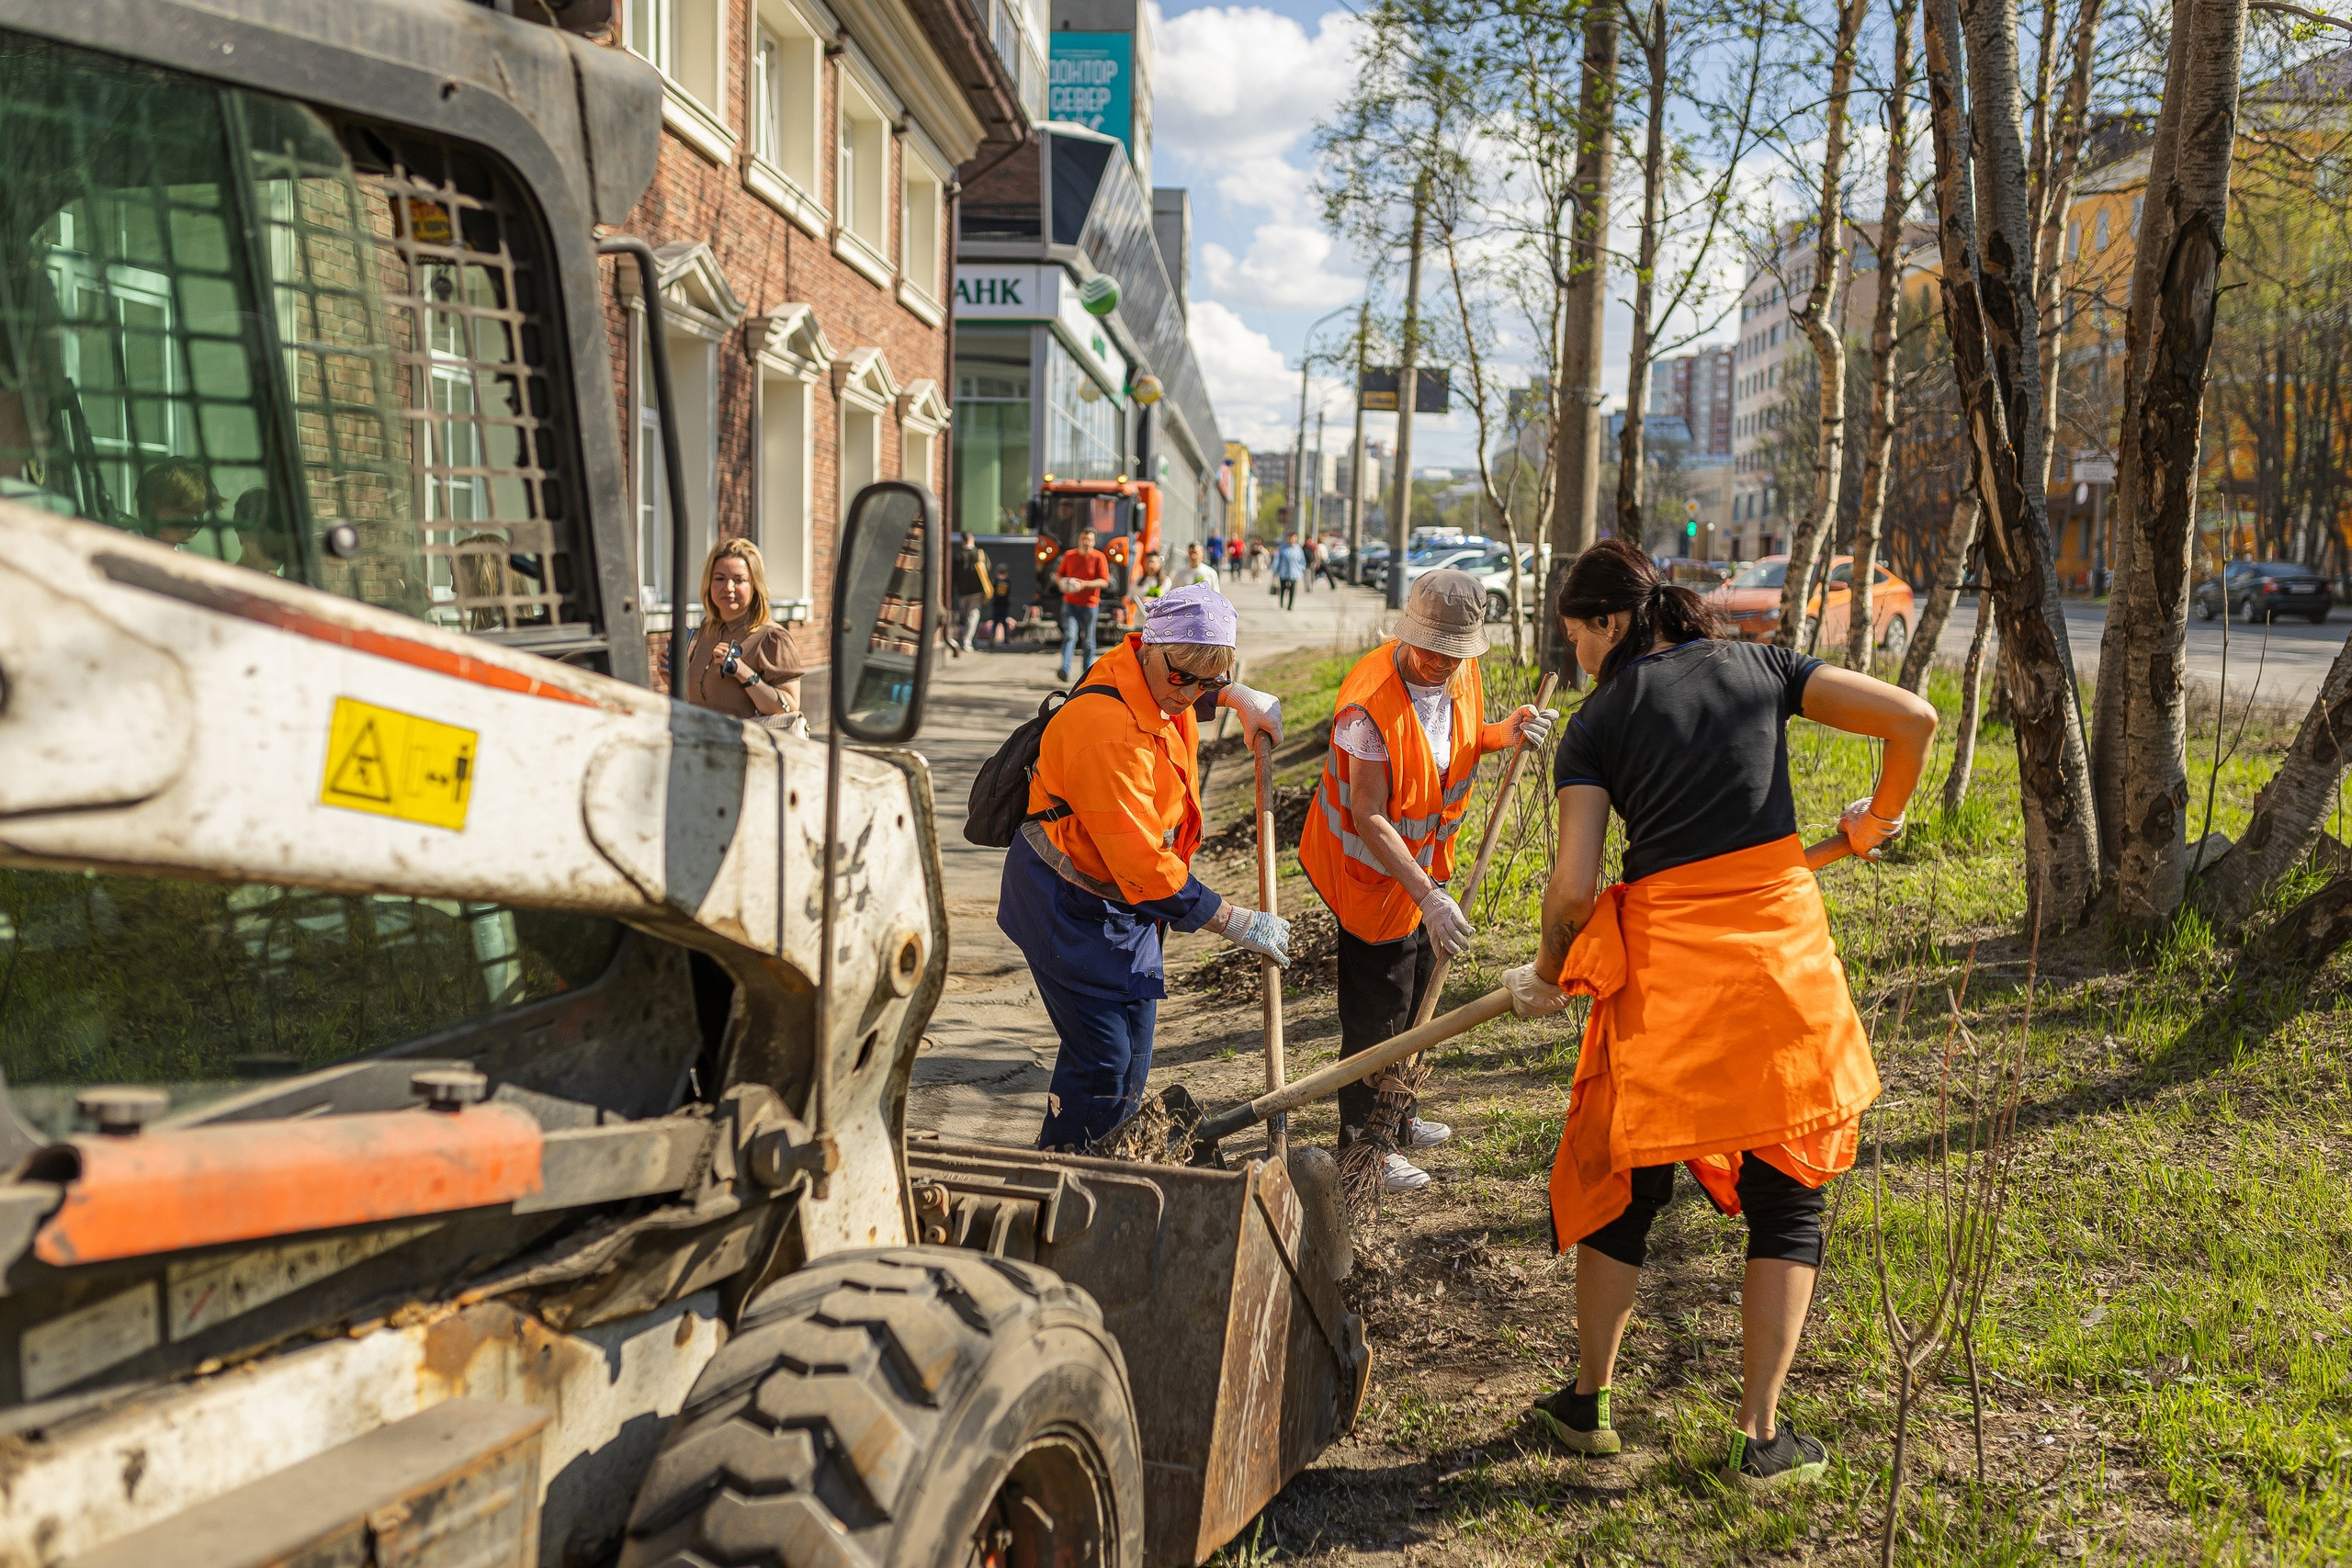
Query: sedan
[
  {"x": 2257, "y": 590},
  {"x": 1749, "y": 604}
]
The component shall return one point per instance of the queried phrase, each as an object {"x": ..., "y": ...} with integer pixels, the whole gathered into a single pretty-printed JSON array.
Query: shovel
[{"x": 1270, "y": 974}]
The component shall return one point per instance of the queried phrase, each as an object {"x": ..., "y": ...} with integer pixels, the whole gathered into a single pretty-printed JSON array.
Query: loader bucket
[{"x": 1221, "y": 1287}]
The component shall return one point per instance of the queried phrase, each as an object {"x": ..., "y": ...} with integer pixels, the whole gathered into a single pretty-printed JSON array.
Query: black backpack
[{"x": 1000, "y": 802}]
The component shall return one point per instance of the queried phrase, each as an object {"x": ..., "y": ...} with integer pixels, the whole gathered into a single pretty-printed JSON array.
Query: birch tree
[{"x": 1878, "y": 449}]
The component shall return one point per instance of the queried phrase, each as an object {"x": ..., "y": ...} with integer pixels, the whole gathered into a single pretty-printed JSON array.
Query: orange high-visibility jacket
[
  {"x": 1425, "y": 807},
  {"x": 1721, "y": 1024},
  {"x": 1125, "y": 771}
]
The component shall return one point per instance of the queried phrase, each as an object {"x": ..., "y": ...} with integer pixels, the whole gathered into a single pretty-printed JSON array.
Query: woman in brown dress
[{"x": 740, "y": 662}]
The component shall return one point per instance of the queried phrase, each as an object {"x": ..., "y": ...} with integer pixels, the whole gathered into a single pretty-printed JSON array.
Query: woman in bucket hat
[
  {"x": 1102, "y": 863},
  {"x": 1406, "y": 738}
]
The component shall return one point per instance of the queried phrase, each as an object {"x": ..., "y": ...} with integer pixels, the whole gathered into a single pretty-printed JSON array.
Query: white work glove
[
  {"x": 1868, "y": 831},
  {"x": 1532, "y": 995},
  {"x": 1265, "y": 934},
  {"x": 1533, "y": 724},
  {"x": 1258, "y": 711},
  {"x": 1448, "y": 927}
]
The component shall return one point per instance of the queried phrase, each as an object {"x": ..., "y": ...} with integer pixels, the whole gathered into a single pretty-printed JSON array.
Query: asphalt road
[{"x": 2283, "y": 662}]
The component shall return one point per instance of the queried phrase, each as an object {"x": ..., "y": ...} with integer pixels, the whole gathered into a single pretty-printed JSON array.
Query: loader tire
[{"x": 914, "y": 1407}]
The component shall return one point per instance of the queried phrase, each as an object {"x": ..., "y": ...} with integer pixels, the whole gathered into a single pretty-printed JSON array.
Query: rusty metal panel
[
  {"x": 457, "y": 1487},
  {"x": 1244, "y": 1362}
]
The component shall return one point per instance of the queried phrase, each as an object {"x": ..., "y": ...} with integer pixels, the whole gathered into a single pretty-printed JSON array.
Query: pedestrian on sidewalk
[
  {"x": 1233, "y": 557},
  {"x": 1081, "y": 574},
  {"x": 1407, "y": 735},
  {"x": 1290, "y": 565},
  {"x": 741, "y": 662},
  {"x": 1001, "y": 609},
  {"x": 1721, "y": 1032},
  {"x": 1102, "y": 863},
  {"x": 973, "y": 590},
  {"x": 1197, "y": 570},
  {"x": 1257, "y": 559},
  {"x": 1154, "y": 580},
  {"x": 1217, "y": 550},
  {"x": 1311, "y": 552}
]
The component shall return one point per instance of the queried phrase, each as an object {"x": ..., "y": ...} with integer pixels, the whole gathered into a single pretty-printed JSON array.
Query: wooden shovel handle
[{"x": 1270, "y": 974}]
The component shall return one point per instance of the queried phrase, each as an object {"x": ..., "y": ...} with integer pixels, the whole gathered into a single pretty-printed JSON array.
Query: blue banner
[{"x": 1091, "y": 83}]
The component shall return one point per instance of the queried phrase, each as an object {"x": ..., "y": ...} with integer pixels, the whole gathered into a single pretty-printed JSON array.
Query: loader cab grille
[{"x": 321, "y": 349}]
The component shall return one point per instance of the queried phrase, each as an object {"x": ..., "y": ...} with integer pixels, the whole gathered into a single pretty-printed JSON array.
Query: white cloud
[
  {"x": 1282, "y": 270},
  {"x": 1254, "y": 388},
  {"x": 1240, "y": 88}
]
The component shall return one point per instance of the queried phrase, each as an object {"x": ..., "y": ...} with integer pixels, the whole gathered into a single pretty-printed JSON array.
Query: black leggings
[{"x": 1783, "y": 1215}]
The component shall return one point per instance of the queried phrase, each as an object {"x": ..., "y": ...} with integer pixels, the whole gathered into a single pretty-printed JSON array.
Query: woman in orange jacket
[
  {"x": 1722, "y": 1031},
  {"x": 1407, "y": 731},
  {"x": 1103, "y": 862}
]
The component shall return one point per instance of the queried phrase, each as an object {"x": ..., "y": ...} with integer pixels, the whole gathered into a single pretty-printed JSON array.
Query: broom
[{"x": 1402, "y": 1084}]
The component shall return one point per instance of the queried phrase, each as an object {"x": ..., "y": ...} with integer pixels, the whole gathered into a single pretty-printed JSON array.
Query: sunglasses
[{"x": 1180, "y": 679}]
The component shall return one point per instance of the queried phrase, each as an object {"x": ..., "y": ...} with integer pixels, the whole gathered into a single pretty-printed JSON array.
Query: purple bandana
[{"x": 1195, "y": 614}]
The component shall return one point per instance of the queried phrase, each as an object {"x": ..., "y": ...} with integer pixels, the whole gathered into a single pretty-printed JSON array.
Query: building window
[
  {"x": 914, "y": 456},
  {"x": 991, "y": 430},
  {"x": 682, "y": 39},
  {"x": 1082, "y": 424},
  {"x": 2099, "y": 231},
  {"x": 783, "y": 532},
  {"x": 787, "y": 93},
  {"x": 923, "y": 198},
  {"x": 861, "y": 452},
  {"x": 2137, "y": 202},
  {"x": 860, "y": 203},
  {"x": 694, "y": 378}
]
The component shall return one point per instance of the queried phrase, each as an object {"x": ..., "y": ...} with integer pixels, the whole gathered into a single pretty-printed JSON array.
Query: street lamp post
[{"x": 1305, "y": 362}]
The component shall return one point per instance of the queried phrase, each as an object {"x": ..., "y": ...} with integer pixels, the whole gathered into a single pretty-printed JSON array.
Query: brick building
[{"x": 802, "y": 216}]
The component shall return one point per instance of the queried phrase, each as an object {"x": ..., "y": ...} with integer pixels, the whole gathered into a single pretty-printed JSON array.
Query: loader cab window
[
  {"x": 206, "y": 990},
  {"x": 318, "y": 349}
]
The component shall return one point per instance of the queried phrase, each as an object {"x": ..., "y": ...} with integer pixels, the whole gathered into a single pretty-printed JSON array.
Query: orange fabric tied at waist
[{"x": 1721, "y": 1024}]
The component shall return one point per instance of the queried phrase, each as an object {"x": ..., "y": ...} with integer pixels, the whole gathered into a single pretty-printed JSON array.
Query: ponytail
[{"x": 1615, "y": 577}]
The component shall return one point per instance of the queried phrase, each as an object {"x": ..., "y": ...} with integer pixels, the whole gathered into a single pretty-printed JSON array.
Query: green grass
[{"x": 2168, "y": 1344}]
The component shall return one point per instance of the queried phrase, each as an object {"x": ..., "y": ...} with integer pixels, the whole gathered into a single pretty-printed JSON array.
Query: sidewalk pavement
[{"x": 984, "y": 1072}]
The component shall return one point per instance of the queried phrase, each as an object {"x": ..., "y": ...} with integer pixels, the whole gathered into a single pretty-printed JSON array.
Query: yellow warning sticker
[{"x": 396, "y": 764}]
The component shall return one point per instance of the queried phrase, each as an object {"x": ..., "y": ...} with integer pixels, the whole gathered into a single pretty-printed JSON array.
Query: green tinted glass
[{"x": 203, "y": 988}]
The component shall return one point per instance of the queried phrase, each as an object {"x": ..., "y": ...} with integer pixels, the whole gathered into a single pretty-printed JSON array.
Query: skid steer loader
[{"x": 452, "y": 1096}]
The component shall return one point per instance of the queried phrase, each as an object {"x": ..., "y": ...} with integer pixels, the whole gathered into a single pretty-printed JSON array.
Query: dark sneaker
[
  {"x": 1579, "y": 1422},
  {"x": 1789, "y": 1456}
]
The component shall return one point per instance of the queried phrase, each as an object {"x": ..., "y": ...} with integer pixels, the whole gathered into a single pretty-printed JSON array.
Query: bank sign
[
  {"x": 1009, "y": 293},
  {"x": 1091, "y": 83}
]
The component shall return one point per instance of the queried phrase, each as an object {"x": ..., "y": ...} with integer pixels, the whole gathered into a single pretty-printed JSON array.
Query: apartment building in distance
[
  {"x": 1695, "y": 387},
  {"x": 799, "y": 213}
]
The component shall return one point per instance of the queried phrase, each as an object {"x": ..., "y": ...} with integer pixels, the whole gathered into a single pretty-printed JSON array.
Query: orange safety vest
[
  {"x": 1425, "y": 807},
  {"x": 1125, "y": 772},
  {"x": 1721, "y": 1024}
]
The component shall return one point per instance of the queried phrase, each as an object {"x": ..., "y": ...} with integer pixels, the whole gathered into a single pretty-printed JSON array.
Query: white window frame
[
  {"x": 686, "y": 41},
  {"x": 699, "y": 309},
  {"x": 865, "y": 391},
  {"x": 785, "y": 170},
  {"x": 863, "y": 180},
  {"x": 922, "y": 226},
  {"x": 792, "y": 355},
  {"x": 923, "y": 415}
]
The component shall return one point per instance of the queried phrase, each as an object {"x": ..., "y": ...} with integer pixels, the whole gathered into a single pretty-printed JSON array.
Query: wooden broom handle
[
  {"x": 1270, "y": 974},
  {"x": 1428, "y": 1009}
]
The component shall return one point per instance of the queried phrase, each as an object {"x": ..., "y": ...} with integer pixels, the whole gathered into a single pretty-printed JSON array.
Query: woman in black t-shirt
[{"x": 1723, "y": 1033}]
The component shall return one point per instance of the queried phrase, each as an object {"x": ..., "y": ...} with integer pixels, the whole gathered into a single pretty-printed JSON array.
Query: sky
[{"x": 1237, "y": 92}]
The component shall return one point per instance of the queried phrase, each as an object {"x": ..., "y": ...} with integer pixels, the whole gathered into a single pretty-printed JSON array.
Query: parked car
[
  {"x": 1749, "y": 604},
  {"x": 1493, "y": 575},
  {"x": 2257, "y": 590}
]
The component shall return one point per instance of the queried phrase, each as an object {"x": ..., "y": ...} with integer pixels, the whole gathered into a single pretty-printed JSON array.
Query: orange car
[{"x": 1749, "y": 604}]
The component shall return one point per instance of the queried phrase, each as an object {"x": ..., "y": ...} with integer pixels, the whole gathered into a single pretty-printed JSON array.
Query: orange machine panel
[{"x": 166, "y": 1190}]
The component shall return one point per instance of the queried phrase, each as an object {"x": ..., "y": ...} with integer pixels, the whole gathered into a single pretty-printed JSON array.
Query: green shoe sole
[{"x": 1600, "y": 1440}]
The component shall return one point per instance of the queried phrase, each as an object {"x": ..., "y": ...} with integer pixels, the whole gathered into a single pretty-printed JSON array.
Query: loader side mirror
[{"x": 885, "y": 610}]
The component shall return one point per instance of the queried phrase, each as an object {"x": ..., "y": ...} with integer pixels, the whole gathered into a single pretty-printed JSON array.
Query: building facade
[
  {"x": 1695, "y": 387},
  {"x": 800, "y": 212}
]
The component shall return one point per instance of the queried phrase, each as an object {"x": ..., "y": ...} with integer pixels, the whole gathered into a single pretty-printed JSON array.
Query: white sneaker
[
  {"x": 1398, "y": 1174},
  {"x": 1420, "y": 1133}
]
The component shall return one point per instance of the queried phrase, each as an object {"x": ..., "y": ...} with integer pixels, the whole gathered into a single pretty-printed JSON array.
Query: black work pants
[
  {"x": 1783, "y": 1215},
  {"x": 1380, "y": 985},
  {"x": 1286, "y": 588}
]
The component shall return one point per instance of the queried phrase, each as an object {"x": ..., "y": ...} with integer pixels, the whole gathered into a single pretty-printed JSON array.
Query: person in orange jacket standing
[
  {"x": 1103, "y": 862},
  {"x": 1406, "y": 738},
  {"x": 1722, "y": 1031}
]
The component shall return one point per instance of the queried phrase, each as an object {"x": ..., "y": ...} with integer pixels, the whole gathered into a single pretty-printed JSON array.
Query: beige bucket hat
[{"x": 1445, "y": 613}]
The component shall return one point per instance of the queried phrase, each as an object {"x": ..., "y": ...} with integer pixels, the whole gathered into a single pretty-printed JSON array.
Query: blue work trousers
[
  {"x": 1099, "y": 1073},
  {"x": 1078, "y": 636}
]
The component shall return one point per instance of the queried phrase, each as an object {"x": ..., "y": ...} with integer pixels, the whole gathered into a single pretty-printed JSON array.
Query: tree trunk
[
  {"x": 2306, "y": 934},
  {"x": 1989, "y": 312},
  {"x": 2116, "y": 698},
  {"x": 1951, "y": 570},
  {"x": 1829, "y": 343},
  {"x": 2058, "y": 162},
  {"x": 2289, "y": 813},
  {"x": 1575, "y": 433},
  {"x": 1400, "y": 516},
  {"x": 1861, "y": 614},
  {"x": 2152, "y": 837},
  {"x": 1637, "y": 363},
  {"x": 1971, "y": 712}
]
